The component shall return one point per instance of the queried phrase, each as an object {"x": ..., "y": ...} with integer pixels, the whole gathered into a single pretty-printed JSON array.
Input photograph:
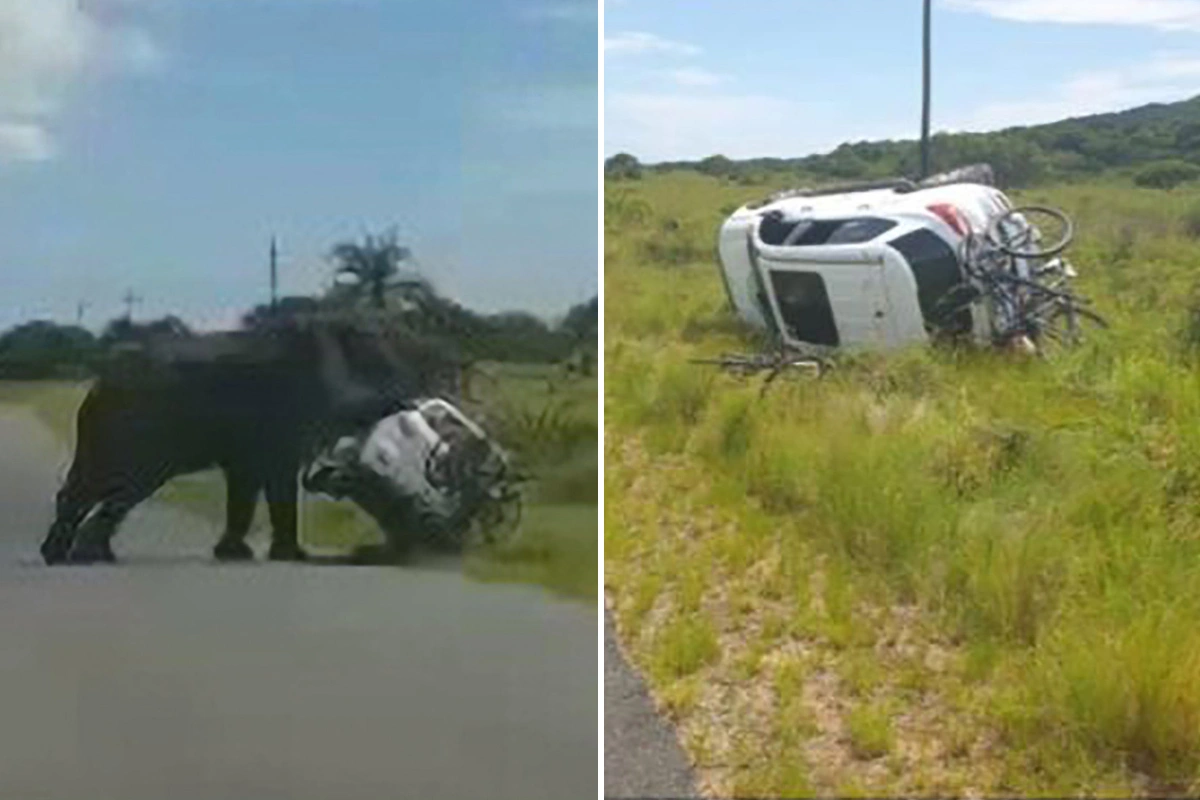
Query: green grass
[
  {"x": 556, "y": 546},
  {"x": 53, "y": 402},
  {"x": 684, "y": 646},
  {"x": 1041, "y": 517},
  {"x": 870, "y": 731}
]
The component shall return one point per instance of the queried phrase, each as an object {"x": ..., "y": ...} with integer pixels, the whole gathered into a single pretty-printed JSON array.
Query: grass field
[
  {"x": 934, "y": 572},
  {"x": 552, "y": 419}
]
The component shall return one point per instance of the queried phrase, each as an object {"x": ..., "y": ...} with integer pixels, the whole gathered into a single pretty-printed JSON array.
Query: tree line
[
  {"x": 1156, "y": 145},
  {"x": 371, "y": 278}
]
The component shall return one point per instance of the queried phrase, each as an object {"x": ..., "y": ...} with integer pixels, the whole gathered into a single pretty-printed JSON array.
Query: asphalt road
[
  {"x": 642, "y": 757},
  {"x": 171, "y": 676}
]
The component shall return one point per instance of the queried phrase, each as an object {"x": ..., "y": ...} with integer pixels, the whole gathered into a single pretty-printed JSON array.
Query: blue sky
[
  {"x": 157, "y": 144},
  {"x": 791, "y": 77}
]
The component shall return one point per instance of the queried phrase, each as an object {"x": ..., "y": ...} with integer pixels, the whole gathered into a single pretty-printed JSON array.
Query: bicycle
[
  {"x": 775, "y": 364},
  {"x": 1038, "y": 304}
]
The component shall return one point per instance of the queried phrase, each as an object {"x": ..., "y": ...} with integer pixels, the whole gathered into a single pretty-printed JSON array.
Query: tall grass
[{"x": 1045, "y": 515}]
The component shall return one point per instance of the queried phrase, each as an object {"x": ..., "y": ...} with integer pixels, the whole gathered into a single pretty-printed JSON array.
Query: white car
[
  {"x": 426, "y": 473},
  {"x": 869, "y": 266}
]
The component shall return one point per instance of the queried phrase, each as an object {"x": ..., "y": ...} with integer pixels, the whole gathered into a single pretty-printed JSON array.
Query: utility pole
[
  {"x": 79, "y": 309},
  {"x": 274, "y": 274},
  {"x": 130, "y": 301},
  {"x": 926, "y": 87}
]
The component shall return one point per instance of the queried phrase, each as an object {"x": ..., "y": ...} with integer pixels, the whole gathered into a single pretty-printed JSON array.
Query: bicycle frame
[{"x": 1023, "y": 291}]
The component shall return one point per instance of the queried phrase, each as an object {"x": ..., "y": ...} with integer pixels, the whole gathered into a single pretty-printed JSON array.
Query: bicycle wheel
[
  {"x": 1019, "y": 241},
  {"x": 1063, "y": 325}
]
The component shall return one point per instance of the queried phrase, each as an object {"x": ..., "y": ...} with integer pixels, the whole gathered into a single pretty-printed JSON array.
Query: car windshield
[{"x": 777, "y": 230}]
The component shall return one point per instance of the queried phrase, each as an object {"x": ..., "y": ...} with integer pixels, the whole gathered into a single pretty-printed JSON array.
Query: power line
[
  {"x": 274, "y": 273},
  {"x": 130, "y": 300}
]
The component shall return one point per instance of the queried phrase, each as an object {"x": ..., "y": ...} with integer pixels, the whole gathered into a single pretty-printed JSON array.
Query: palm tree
[{"x": 374, "y": 264}]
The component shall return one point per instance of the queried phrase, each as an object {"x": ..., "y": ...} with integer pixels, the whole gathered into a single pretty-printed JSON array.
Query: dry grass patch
[{"x": 766, "y": 701}]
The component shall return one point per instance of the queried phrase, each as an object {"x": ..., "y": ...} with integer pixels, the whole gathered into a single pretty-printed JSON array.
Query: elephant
[{"x": 253, "y": 404}]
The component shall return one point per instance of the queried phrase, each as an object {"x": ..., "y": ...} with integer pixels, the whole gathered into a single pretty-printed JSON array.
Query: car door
[{"x": 830, "y": 296}]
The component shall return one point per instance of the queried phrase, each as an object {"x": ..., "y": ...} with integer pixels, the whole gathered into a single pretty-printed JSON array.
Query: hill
[{"x": 1158, "y": 145}]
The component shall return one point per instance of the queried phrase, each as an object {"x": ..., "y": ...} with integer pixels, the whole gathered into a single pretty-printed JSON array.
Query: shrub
[
  {"x": 1166, "y": 174},
  {"x": 622, "y": 166}
]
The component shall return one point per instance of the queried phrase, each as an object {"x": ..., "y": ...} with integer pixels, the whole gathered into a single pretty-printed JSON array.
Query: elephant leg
[
  {"x": 283, "y": 497},
  {"x": 93, "y": 542},
  {"x": 72, "y": 504},
  {"x": 241, "y": 496}
]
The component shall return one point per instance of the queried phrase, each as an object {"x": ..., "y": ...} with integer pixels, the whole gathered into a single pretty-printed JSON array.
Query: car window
[
  {"x": 773, "y": 228},
  {"x": 779, "y": 231},
  {"x": 804, "y": 306},
  {"x": 857, "y": 231}
]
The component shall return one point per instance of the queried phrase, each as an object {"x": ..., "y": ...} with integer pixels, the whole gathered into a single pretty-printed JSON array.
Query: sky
[
  {"x": 748, "y": 78},
  {"x": 157, "y": 145}
]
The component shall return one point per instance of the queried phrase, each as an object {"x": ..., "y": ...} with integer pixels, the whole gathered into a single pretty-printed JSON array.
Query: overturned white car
[
  {"x": 429, "y": 476},
  {"x": 884, "y": 265}
]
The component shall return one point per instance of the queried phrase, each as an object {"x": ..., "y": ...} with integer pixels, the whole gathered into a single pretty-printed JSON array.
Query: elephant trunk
[{"x": 350, "y": 401}]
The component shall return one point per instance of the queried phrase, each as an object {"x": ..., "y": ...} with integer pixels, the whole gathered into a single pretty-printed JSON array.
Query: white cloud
[
  {"x": 671, "y": 126},
  {"x": 695, "y": 77},
  {"x": 1170, "y": 15},
  {"x": 24, "y": 141},
  {"x": 47, "y": 48},
  {"x": 1167, "y": 77},
  {"x": 1170, "y": 66},
  {"x": 639, "y": 42}
]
